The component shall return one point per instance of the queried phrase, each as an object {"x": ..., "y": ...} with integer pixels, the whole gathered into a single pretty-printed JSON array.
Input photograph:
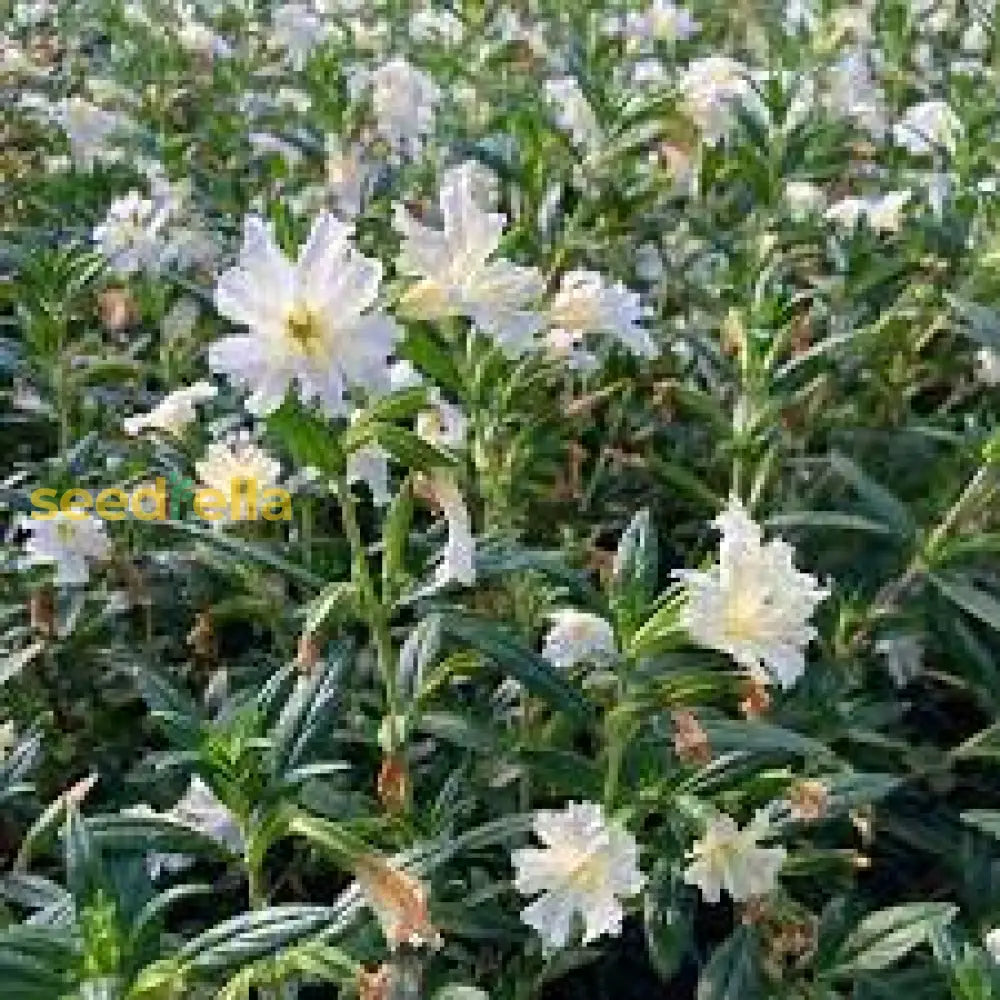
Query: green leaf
[
  {"x": 733, "y": 973},
  {"x": 409, "y": 449},
  {"x": 668, "y": 918},
  {"x": 308, "y": 438},
  {"x": 634, "y": 575},
  {"x": 986, "y": 820},
  {"x": 885, "y": 936},
  {"x": 521, "y": 663},
  {"x": 431, "y": 357},
  {"x": 972, "y": 600}
]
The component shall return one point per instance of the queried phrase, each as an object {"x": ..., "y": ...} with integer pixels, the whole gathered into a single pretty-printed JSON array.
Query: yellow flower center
[
  {"x": 587, "y": 872},
  {"x": 65, "y": 532},
  {"x": 302, "y": 326}
]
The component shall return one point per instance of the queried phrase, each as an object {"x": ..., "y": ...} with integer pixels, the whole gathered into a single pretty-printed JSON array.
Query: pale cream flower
[
  {"x": 587, "y": 866},
  {"x": 88, "y": 129},
  {"x": 574, "y": 113},
  {"x": 586, "y": 303},
  {"x": 131, "y": 235},
  {"x": 730, "y": 858},
  {"x": 714, "y": 88},
  {"x": 753, "y": 603},
  {"x": 297, "y": 29},
  {"x": 457, "y": 277},
  {"x": 804, "y": 199},
  {"x": 927, "y": 128},
  {"x": 70, "y": 540},
  {"x": 992, "y": 943},
  {"x": 578, "y": 637},
  {"x": 988, "y": 366},
  {"x": 173, "y": 413},
  {"x": 404, "y": 100},
  {"x": 239, "y": 469},
  {"x": 312, "y": 323}
]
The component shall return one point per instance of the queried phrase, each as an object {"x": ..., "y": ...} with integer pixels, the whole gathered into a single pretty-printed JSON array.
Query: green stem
[{"x": 371, "y": 603}]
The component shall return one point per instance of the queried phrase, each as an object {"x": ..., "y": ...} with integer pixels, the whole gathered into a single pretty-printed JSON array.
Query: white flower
[
  {"x": 988, "y": 366},
  {"x": 578, "y": 637},
  {"x": 70, "y": 540},
  {"x": 347, "y": 175},
  {"x": 457, "y": 561},
  {"x": 992, "y": 943},
  {"x": 310, "y": 322},
  {"x": 201, "y": 810},
  {"x": 803, "y": 199},
  {"x": 753, "y": 603},
  {"x": 297, "y": 30},
  {"x": 429, "y": 25},
  {"x": 927, "y": 128},
  {"x": 661, "y": 21},
  {"x": 884, "y": 214},
  {"x": 88, "y": 129},
  {"x": 588, "y": 864},
  {"x": 713, "y": 89},
  {"x": 444, "y": 424},
  {"x": 585, "y": 303},
  {"x": 174, "y": 412},
  {"x": 235, "y": 467},
  {"x": 404, "y": 99},
  {"x": 574, "y": 113},
  {"x": 369, "y": 464},
  {"x": 852, "y": 93},
  {"x": 457, "y": 276},
  {"x": 976, "y": 39},
  {"x": 130, "y": 237},
  {"x": 729, "y": 858}
]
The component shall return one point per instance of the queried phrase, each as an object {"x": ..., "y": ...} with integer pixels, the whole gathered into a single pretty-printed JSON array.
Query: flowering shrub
[{"x": 590, "y": 414}]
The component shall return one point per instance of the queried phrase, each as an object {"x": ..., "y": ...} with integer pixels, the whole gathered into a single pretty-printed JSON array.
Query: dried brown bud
[
  {"x": 755, "y": 910},
  {"x": 690, "y": 740},
  {"x": 399, "y": 901},
  {"x": 308, "y": 653},
  {"x": 375, "y": 984},
  {"x": 42, "y": 610},
  {"x": 118, "y": 309},
  {"x": 809, "y": 800},
  {"x": 201, "y": 638},
  {"x": 756, "y": 701},
  {"x": 393, "y": 784}
]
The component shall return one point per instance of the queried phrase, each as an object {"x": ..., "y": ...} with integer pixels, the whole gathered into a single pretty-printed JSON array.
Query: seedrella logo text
[{"x": 167, "y": 498}]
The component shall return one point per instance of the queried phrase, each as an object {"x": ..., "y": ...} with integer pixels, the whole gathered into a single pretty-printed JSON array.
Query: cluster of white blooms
[
  {"x": 753, "y": 604},
  {"x": 588, "y": 864},
  {"x": 312, "y": 323}
]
